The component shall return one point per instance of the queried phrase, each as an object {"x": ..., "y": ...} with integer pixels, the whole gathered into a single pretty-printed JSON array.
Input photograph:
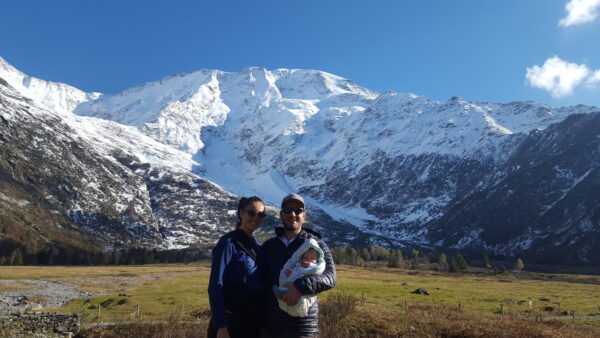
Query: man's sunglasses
[
  {"x": 253, "y": 213},
  {"x": 296, "y": 211}
]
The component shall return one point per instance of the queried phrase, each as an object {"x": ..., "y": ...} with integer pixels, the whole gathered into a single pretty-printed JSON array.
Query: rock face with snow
[
  {"x": 86, "y": 183},
  {"x": 392, "y": 169},
  {"x": 545, "y": 199}
]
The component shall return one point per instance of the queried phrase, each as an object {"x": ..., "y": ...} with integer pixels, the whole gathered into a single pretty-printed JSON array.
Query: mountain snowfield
[{"x": 386, "y": 165}]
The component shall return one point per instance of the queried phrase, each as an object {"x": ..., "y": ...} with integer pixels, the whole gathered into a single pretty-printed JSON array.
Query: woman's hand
[
  {"x": 292, "y": 295},
  {"x": 223, "y": 332}
]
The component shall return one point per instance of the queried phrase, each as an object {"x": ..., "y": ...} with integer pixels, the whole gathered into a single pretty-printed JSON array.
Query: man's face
[{"x": 292, "y": 221}]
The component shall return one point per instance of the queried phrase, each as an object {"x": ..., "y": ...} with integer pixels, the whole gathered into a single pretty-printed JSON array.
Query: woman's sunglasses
[
  {"x": 296, "y": 211},
  {"x": 253, "y": 213}
]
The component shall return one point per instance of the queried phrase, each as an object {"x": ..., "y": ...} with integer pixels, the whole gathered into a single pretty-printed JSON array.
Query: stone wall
[{"x": 38, "y": 324}]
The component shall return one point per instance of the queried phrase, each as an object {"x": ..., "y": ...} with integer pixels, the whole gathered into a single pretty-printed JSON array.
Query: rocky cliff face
[{"x": 544, "y": 202}]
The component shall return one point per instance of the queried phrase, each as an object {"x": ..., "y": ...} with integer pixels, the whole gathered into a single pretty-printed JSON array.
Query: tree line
[
  {"x": 77, "y": 256},
  {"x": 373, "y": 256},
  {"x": 377, "y": 256}
]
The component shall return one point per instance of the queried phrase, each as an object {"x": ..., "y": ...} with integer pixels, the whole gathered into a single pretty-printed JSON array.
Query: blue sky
[{"x": 481, "y": 50}]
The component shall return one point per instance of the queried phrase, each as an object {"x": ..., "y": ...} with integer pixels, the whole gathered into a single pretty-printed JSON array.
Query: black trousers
[
  {"x": 244, "y": 317},
  {"x": 239, "y": 327}
]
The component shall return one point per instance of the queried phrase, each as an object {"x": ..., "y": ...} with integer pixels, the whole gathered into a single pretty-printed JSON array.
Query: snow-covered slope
[
  {"x": 57, "y": 97},
  {"x": 289, "y": 130},
  {"x": 388, "y": 164}
]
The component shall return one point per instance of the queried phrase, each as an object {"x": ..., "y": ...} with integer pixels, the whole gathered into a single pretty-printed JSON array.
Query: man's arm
[{"x": 313, "y": 284}]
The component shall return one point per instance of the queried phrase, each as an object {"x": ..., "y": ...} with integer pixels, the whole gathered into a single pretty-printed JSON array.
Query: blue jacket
[
  {"x": 233, "y": 276},
  {"x": 271, "y": 260}
]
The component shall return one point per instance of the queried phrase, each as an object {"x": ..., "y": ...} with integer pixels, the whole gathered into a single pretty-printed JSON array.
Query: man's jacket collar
[{"x": 306, "y": 232}]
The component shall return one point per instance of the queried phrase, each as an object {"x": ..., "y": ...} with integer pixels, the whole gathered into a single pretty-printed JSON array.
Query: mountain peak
[{"x": 55, "y": 96}]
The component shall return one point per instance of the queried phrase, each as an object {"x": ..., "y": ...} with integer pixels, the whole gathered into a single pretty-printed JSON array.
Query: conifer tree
[
  {"x": 452, "y": 265},
  {"x": 16, "y": 258},
  {"x": 443, "y": 262},
  {"x": 352, "y": 256},
  {"x": 365, "y": 254},
  {"x": 395, "y": 259},
  {"x": 460, "y": 262},
  {"x": 486, "y": 261},
  {"x": 415, "y": 260},
  {"x": 519, "y": 265}
]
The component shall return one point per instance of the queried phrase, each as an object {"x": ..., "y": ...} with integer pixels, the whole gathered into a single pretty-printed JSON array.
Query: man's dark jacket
[{"x": 273, "y": 256}]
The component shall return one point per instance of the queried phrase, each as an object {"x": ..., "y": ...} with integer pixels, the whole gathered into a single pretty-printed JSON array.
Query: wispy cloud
[
  {"x": 593, "y": 79},
  {"x": 580, "y": 12},
  {"x": 561, "y": 78}
]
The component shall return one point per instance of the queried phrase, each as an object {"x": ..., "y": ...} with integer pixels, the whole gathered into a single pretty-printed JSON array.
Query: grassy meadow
[
  {"x": 478, "y": 292},
  {"x": 180, "y": 291}
]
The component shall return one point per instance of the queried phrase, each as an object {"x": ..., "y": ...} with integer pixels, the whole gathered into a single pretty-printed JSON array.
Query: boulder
[{"x": 421, "y": 291}]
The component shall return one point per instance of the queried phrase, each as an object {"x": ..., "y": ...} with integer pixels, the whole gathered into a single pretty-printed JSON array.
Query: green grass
[
  {"x": 474, "y": 292},
  {"x": 158, "y": 299},
  {"x": 162, "y": 297}
]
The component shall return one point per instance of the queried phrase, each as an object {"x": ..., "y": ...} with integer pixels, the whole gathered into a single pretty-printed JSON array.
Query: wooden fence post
[
  {"x": 405, "y": 306},
  {"x": 182, "y": 307},
  {"x": 502, "y": 309},
  {"x": 138, "y": 311},
  {"x": 98, "y": 316}
]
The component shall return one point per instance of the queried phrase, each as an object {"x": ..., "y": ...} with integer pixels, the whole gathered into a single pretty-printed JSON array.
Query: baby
[
  {"x": 307, "y": 260},
  {"x": 310, "y": 257}
]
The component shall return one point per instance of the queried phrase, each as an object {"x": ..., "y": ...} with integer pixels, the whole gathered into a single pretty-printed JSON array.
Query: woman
[{"x": 235, "y": 289}]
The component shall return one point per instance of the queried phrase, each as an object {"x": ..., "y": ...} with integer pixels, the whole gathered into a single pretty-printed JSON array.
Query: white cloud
[
  {"x": 560, "y": 78},
  {"x": 593, "y": 79},
  {"x": 579, "y": 12}
]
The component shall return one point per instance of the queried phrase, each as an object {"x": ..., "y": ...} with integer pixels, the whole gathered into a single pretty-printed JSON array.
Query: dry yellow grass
[
  {"x": 14, "y": 286},
  {"x": 42, "y": 272}
]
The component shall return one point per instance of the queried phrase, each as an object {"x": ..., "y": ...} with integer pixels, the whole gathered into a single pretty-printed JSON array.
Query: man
[{"x": 274, "y": 254}]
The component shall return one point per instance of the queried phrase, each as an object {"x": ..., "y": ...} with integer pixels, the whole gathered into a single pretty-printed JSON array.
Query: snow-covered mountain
[
  {"x": 104, "y": 179},
  {"x": 380, "y": 168}
]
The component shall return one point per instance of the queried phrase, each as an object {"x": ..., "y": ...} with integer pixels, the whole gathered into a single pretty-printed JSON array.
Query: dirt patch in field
[
  {"x": 116, "y": 283},
  {"x": 14, "y": 286}
]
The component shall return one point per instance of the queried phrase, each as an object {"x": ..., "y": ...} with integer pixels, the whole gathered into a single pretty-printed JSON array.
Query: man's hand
[
  {"x": 223, "y": 332},
  {"x": 292, "y": 295}
]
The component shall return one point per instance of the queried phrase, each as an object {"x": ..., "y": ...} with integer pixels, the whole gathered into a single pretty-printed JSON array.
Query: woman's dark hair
[{"x": 244, "y": 202}]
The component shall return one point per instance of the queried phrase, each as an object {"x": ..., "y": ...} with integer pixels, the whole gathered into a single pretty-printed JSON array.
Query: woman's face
[{"x": 251, "y": 217}]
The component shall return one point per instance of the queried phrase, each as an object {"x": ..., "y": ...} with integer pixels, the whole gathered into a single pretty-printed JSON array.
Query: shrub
[{"x": 336, "y": 307}]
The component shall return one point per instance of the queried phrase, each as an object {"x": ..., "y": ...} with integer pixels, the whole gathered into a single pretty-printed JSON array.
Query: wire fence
[
  {"x": 523, "y": 309},
  {"x": 95, "y": 314}
]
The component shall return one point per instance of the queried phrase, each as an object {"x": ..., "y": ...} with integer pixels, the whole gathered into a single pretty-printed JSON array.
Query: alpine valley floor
[{"x": 366, "y": 301}]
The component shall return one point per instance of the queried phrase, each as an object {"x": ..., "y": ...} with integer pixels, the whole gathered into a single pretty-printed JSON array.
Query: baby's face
[{"x": 308, "y": 257}]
